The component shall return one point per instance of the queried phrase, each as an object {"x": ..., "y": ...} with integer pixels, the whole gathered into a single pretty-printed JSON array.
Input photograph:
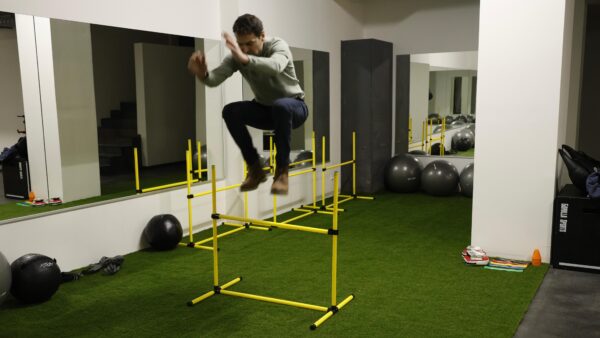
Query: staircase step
[
  {"x": 119, "y": 123},
  {"x": 117, "y": 132},
  {"x": 116, "y": 113}
]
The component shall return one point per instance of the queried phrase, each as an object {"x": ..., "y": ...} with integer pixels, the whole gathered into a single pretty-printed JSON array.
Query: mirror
[
  {"x": 312, "y": 71},
  {"x": 117, "y": 90},
  {"x": 13, "y": 154},
  {"x": 442, "y": 95}
]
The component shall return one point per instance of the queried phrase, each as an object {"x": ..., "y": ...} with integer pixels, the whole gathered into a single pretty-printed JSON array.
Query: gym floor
[{"x": 399, "y": 255}]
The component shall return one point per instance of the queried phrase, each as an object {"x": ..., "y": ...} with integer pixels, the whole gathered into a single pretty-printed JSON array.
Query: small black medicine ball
[{"x": 163, "y": 232}]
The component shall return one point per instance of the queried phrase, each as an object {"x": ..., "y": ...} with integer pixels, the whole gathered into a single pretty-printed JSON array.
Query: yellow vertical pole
[
  {"x": 423, "y": 139},
  {"x": 199, "y": 152},
  {"x": 213, "y": 179},
  {"x": 314, "y": 173},
  {"x": 334, "y": 241},
  {"x": 188, "y": 173},
  {"x": 323, "y": 172},
  {"x": 274, "y": 164},
  {"x": 271, "y": 154},
  {"x": 354, "y": 163},
  {"x": 190, "y": 145},
  {"x": 245, "y": 193},
  {"x": 137, "y": 170}
]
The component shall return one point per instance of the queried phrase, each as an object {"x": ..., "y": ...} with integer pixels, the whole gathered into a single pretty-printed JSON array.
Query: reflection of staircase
[{"x": 117, "y": 135}]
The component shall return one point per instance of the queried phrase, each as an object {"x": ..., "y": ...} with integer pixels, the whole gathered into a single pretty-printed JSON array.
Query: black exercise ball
[
  {"x": 449, "y": 119},
  {"x": 304, "y": 155},
  {"x": 35, "y": 278},
  {"x": 461, "y": 118},
  {"x": 418, "y": 152},
  {"x": 463, "y": 140},
  {"x": 5, "y": 278},
  {"x": 203, "y": 160},
  {"x": 436, "y": 149},
  {"x": 402, "y": 173},
  {"x": 471, "y": 118},
  {"x": 466, "y": 180},
  {"x": 439, "y": 178},
  {"x": 456, "y": 124},
  {"x": 163, "y": 232}
]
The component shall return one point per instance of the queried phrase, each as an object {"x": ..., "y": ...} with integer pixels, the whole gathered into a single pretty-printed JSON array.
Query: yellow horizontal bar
[
  {"x": 275, "y": 300},
  {"x": 301, "y": 172},
  {"x": 370, "y": 198},
  {"x": 330, "y": 313},
  {"x": 275, "y": 224},
  {"x": 339, "y": 164},
  {"x": 166, "y": 186},
  {"x": 209, "y": 248},
  {"x": 204, "y": 193},
  {"x": 202, "y": 171},
  {"x": 201, "y": 298},
  {"x": 298, "y": 217},
  {"x": 300, "y": 162},
  {"x": 340, "y": 202},
  {"x": 251, "y": 226},
  {"x": 219, "y": 236},
  {"x": 312, "y": 211},
  {"x": 210, "y": 293},
  {"x": 311, "y": 207}
]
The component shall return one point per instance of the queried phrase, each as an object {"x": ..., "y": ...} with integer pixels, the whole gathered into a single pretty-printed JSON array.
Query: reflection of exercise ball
[
  {"x": 418, "y": 152},
  {"x": 472, "y": 127},
  {"x": 436, "y": 149},
  {"x": 466, "y": 180},
  {"x": 203, "y": 160},
  {"x": 437, "y": 129},
  {"x": 35, "y": 278},
  {"x": 163, "y": 232},
  {"x": 5, "y": 278},
  {"x": 461, "y": 118},
  {"x": 402, "y": 173},
  {"x": 264, "y": 162},
  {"x": 471, "y": 118},
  {"x": 439, "y": 178},
  {"x": 463, "y": 140},
  {"x": 304, "y": 155},
  {"x": 449, "y": 119},
  {"x": 457, "y": 124}
]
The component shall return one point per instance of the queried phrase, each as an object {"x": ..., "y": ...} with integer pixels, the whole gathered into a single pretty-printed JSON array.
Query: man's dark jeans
[{"x": 283, "y": 116}]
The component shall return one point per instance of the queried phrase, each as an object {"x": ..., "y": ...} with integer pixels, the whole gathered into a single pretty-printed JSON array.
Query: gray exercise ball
[
  {"x": 466, "y": 180},
  {"x": 5, "y": 278},
  {"x": 463, "y": 140},
  {"x": 304, "y": 155},
  {"x": 403, "y": 174},
  {"x": 439, "y": 178}
]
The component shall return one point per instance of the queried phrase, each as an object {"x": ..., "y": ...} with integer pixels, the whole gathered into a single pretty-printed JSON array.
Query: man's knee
[{"x": 230, "y": 111}]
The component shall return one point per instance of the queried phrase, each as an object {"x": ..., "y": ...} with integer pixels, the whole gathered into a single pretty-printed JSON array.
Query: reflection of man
[{"x": 267, "y": 65}]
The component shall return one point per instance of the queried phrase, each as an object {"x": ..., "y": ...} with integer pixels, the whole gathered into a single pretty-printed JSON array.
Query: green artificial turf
[
  {"x": 466, "y": 153},
  {"x": 399, "y": 255}
]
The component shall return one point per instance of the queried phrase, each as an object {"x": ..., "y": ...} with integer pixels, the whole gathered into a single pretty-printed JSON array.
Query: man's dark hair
[{"x": 248, "y": 24}]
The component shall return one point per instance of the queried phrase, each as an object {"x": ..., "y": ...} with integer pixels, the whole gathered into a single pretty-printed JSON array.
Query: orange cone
[
  {"x": 536, "y": 259},
  {"x": 31, "y": 196}
]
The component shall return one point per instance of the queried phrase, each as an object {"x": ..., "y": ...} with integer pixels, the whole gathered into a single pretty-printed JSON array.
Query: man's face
[{"x": 250, "y": 43}]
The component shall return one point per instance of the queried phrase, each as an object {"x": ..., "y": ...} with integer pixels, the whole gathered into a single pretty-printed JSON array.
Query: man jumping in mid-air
[{"x": 266, "y": 63}]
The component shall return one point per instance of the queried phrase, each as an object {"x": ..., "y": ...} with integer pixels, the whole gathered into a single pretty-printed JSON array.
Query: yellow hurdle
[
  {"x": 334, "y": 166},
  {"x": 224, "y": 289}
]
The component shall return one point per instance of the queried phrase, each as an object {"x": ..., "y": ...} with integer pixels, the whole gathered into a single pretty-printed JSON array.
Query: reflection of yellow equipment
[
  {"x": 224, "y": 288},
  {"x": 427, "y": 138},
  {"x": 199, "y": 171}
]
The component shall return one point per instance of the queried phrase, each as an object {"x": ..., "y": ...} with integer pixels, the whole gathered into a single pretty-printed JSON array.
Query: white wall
[
  {"x": 424, "y": 26},
  {"x": 418, "y": 98},
  {"x": 76, "y": 109},
  {"x": 11, "y": 94},
  {"x": 513, "y": 197},
  {"x": 165, "y": 102}
]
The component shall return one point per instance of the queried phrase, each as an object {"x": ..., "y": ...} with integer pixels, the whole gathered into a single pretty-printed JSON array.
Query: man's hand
[
  {"x": 236, "y": 52},
  {"x": 197, "y": 65}
]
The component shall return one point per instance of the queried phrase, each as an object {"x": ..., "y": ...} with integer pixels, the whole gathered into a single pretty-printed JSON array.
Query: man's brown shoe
[
  {"x": 254, "y": 177},
  {"x": 280, "y": 181}
]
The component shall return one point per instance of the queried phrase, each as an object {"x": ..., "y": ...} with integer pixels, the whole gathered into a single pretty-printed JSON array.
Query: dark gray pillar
[
  {"x": 402, "y": 103},
  {"x": 366, "y": 109},
  {"x": 321, "y": 100}
]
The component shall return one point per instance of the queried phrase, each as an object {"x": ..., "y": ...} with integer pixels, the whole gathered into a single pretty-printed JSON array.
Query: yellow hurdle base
[{"x": 329, "y": 311}]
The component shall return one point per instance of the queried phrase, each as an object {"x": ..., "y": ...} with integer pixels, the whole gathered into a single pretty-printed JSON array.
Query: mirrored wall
[
  {"x": 441, "y": 99},
  {"x": 115, "y": 93}
]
